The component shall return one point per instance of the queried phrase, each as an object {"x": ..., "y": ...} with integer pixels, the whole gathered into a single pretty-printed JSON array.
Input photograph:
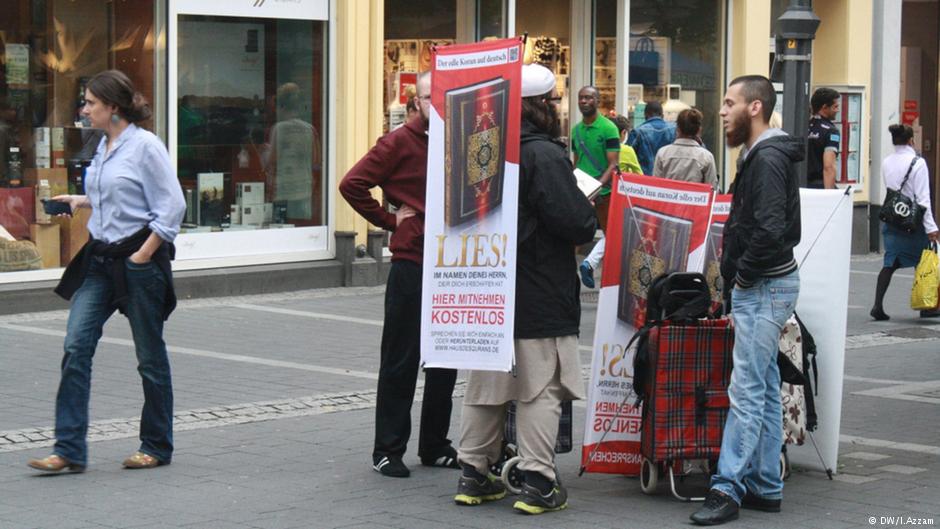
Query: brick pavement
[{"x": 275, "y": 426}]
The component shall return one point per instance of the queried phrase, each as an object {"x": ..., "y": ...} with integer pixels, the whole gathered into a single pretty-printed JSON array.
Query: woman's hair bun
[
  {"x": 139, "y": 109},
  {"x": 901, "y": 134}
]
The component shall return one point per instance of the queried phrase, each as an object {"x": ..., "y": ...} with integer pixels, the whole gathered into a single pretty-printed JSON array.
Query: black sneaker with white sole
[
  {"x": 391, "y": 466},
  {"x": 531, "y": 501}
]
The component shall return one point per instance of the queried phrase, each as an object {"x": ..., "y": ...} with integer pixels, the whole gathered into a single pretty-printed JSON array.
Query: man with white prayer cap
[{"x": 554, "y": 217}]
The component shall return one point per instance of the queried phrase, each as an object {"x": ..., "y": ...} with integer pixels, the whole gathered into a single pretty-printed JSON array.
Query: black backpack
[{"x": 678, "y": 296}]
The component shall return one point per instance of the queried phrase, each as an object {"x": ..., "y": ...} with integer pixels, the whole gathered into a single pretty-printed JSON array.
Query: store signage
[
  {"x": 910, "y": 105},
  {"x": 278, "y": 9},
  {"x": 469, "y": 281},
  {"x": 406, "y": 86},
  {"x": 909, "y": 117}
]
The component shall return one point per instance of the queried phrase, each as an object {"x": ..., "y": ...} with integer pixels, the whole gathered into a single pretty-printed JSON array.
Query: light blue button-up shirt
[{"x": 133, "y": 186}]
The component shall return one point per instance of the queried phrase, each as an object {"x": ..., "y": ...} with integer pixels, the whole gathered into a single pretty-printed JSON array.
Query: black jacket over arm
[{"x": 554, "y": 217}]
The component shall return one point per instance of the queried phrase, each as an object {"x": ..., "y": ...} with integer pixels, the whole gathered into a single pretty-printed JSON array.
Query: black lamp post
[{"x": 795, "y": 30}]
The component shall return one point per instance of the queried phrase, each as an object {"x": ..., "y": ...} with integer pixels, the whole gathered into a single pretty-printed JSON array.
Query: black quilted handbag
[{"x": 901, "y": 211}]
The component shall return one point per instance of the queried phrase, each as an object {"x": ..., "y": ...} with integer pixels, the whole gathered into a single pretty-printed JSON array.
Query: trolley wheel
[
  {"x": 511, "y": 475},
  {"x": 649, "y": 476},
  {"x": 784, "y": 466}
]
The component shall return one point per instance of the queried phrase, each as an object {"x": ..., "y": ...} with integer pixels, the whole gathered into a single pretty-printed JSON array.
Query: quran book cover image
[
  {"x": 653, "y": 244},
  {"x": 474, "y": 150},
  {"x": 713, "y": 261}
]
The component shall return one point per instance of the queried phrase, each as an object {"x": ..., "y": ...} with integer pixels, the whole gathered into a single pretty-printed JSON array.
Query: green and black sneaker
[
  {"x": 471, "y": 491},
  {"x": 532, "y": 501}
]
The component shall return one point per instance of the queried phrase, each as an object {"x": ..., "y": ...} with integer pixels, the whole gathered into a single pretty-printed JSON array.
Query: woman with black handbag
[{"x": 904, "y": 172}]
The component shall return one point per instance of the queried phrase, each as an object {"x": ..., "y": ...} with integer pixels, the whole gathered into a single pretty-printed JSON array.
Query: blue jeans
[
  {"x": 146, "y": 287},
  {"x": 753, "y": 436}
]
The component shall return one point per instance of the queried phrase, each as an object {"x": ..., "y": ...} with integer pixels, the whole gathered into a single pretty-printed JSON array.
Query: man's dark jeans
[
  {"x": 398, "y": 374},
  {"x": 146, "y": 287}
]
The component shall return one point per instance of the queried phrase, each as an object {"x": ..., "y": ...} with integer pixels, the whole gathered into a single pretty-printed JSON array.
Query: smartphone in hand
[{"x": 54, "y": 207}]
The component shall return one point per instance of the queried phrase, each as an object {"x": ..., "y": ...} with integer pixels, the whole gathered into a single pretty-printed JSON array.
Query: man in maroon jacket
[{"x": 398, "y": 165}]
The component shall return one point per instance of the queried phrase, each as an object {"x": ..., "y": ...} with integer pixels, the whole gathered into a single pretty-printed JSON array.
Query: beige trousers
[{"x": 482, "y": 427}]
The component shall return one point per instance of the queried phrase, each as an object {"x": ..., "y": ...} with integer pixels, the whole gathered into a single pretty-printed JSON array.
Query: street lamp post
[{"x": 796, "y": 29}]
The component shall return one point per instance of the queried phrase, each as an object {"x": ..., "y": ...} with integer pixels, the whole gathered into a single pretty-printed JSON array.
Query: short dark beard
[
  {"x": 542, "y": 114},
  {"x": 741, "y": 131}
]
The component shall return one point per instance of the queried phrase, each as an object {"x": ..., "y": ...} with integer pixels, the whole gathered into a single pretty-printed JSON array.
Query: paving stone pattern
[{"x": 274, "y": 428}]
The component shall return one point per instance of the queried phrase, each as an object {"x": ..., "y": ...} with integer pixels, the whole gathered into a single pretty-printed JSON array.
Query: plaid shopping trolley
[{"x": 687, "y": 404}]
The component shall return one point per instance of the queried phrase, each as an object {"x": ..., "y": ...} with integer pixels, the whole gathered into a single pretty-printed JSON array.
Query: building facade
[{"x": 264, "y": 104}]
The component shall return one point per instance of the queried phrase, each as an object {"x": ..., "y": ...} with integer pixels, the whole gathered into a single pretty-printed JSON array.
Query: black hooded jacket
[
  {"x": 764, "y": 224},
  {"x": 554, "y": 217}
]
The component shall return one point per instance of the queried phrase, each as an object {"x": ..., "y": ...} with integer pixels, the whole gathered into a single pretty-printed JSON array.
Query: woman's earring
[{"x": 115, "y": 118}]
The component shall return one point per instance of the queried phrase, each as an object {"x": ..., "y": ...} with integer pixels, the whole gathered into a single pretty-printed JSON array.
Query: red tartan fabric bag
[{"x": 685, "y": 414}]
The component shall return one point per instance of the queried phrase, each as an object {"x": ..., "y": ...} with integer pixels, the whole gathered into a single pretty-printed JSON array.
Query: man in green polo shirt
[{"x": 595, "y": 142}]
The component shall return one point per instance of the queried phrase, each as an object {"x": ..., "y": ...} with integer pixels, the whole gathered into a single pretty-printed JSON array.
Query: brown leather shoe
[
  {"x": 54, "y": 463},
  {"x": 141, "y": 460}
]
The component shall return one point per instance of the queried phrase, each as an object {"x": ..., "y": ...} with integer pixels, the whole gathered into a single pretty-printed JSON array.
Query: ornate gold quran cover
[
  {"x": 713, "y": 261},
  {"x": 653, "y": 244},
  {"x": 474, "y": 150}
]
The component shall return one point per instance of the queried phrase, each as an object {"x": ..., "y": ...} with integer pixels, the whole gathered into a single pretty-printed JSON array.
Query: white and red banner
[
  {"x": 655, "y": 226},
  {"x": 468, "y": 297}
]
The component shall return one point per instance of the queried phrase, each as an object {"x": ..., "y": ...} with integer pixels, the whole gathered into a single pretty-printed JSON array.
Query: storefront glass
[
  {"x": 675, "y": 57},
  {"x": 491, "y": 19},
  {"x": 249, "y": 122},
  {"x": 49, "y": 50},
  {"x": 605, "y": 55},
  {"x": 412, "y": 28},
  {"x": 547, "y": 23}
]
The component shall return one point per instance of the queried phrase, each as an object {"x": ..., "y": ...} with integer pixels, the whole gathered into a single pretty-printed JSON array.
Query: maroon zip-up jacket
[{"x": 398, "y": 164}]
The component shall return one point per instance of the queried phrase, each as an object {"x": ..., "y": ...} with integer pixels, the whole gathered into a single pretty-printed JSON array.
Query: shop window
[
  {"x": 549, "y": 43},
  {"x": 412, "y": 29},
  {"x": 250, "y": 122},
  {"x": 849, "y": 122},
  {"x": 48, "y": 50},
  {"x": 675, "y": 57},
  {"x": 491, "y": 19},
  {"x": 605, "y": 55}
]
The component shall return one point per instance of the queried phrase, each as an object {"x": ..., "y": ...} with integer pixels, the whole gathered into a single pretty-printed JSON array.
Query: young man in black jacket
[{"x": 757, "y": 263}]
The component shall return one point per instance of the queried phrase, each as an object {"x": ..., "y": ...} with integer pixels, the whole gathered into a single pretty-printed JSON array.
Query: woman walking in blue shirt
[{"x": 137, "y": 206}]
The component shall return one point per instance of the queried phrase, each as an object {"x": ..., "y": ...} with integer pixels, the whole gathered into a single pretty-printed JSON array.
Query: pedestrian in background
[
  {"x": 757, "y": 263},
  {"x": 902, "y": 249},
  {"x": 627, "y": 163},
  {"x": 398, "y": 164},
  {"x": 554, "y": 217},
  {"x": 652, "y": 135},
  {"x": 823, "y": 140},
  {"x": 595, "y": 144},
  {"x": 686, "y": 159},
  {"x": 137, "y": 206}
]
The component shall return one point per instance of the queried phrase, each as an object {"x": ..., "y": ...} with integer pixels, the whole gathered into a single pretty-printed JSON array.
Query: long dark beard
[{"x": 740, "y": 132}]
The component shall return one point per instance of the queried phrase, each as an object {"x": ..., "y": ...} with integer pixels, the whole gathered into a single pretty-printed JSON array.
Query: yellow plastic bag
[{"x": 926, "y": 281}]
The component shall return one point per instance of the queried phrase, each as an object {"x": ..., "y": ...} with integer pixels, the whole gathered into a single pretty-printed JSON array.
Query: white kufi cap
[{"x": 536, "y": 80}]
